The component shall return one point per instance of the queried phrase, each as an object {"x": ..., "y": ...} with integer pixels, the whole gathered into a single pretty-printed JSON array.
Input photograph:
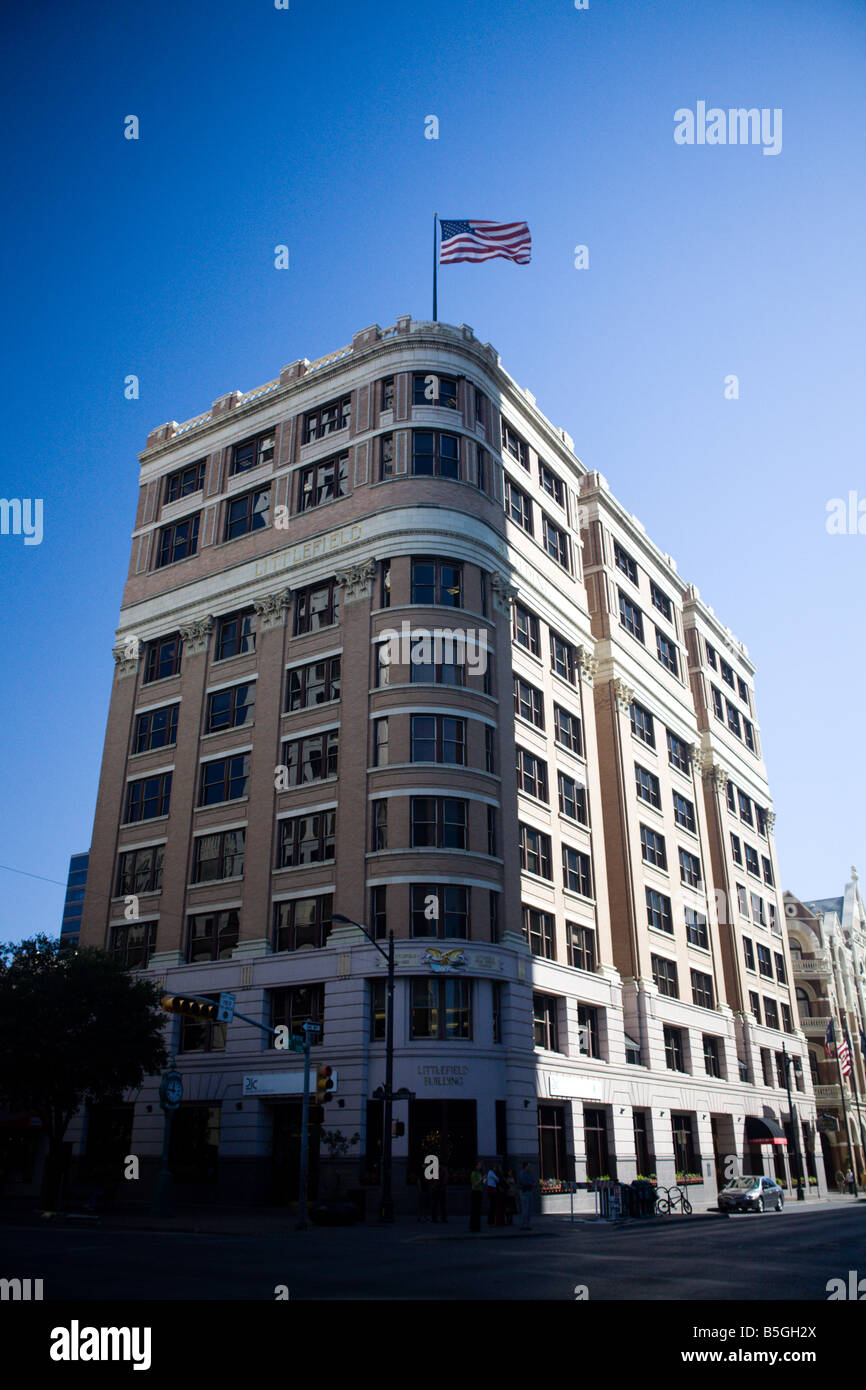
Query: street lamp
[
  {"x": 387, "y": 1211},
  {"x": 801, "y": 1185}
]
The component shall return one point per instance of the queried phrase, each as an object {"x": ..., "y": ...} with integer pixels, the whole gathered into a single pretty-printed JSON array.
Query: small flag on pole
[
  {"x": 471, "y": 240},
  {"x": 829, "y": 1040}
]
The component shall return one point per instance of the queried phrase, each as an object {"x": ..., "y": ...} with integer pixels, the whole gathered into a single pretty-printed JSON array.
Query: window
[
  {"x": 252, "y": 453},
  {"x": 589, "y": 1031},
  {"x": 598, "y": 1163},
  {"x": 247, "y": 513},
  {"x": 624, "y": 562},
  {"x": 647, "y": 786},
  {"x": 386, "y": 398},
  {"x": 299, "y": 1004},
  {"x": 439, "y": 910},
  {"x": 755, "y": 1004},
  {"x": 771, "y": 1015},
  {"x": 437, "y": 582},
  {"x": 213, "y": 935},
  {"x": 771, "y": 916},
  {"x": 531, "y": 774},
  {"x": 224, "y": 779},
  {"x": 184, "y": 482},
  {"x": 711, "y": 655},
  {"x": 665, "y": 976},
  {"x": 440, "y": 1008},
  {"x": 219, "y": 855},
  {"x": 748, "y": 953},
  {"x": 230, "y": 709},
  {"x": 235, "y": 635},
  {"x": 642, "y": 724},
  {"x": 482, "y": 408},
  {"x": 328, "y": 419},
  {"x": 316, "y": 607},
  {"x": 661, "y": 601},
  {"x": 305, "y": 839},
  {"x": 196, "y": 1036},
  {"x": 133, "y": 943},
  {"x": 544, "y": 1022},
  {"x": 752, "y": 861},
  {"x": 426, "y": 667},
  {"x": 742, "y": 900},
  {"x": 302, "y": 922},
  {"x": 386, "y": 456},
  {"x": 667, "y": 653},
  {"x": 493, "y": 896},
  {"x": 434, "y": 390},
  {"x": 736, "y": 849},
  {"x": 139, "y": 871},
  {"x": 674, "y": 1059},
  {"x": 749, "y": 731},
  {"x": 702, "y": 989},
  {"x": 630, "y": 616},
  {"x": 162, "y": 658},
  {"x": 517, "y": 505},
  {"x": 512, "y": 444},
  {"x": 178, "y": 541},
  {"x": 528, "y": 702},
  {"x": 322, "y": 482},
  {"x": 311, "y": 759},
  {"x": 572, "y": 799},
  {"x": 567, "y": 730},
  {"x": 147, "y": 798},
  {"x": 787, "y": 1023},
  {"x": 742, "y": 690},
  {"x": 555, "y": 542},
  {"x": 765, "y": 964},
  {"x": 535, "y": 852},
  {"x": 496, "y": 1003},
  {"x": 712, "y": 1059},
  {"x": 438, "y": 822},
  {"x": 685, "y": 1156},
  {"x": 437, "y": 738},
  {"x": 435, "y": 455},
  {"x": 581, "y": 947},
  {"x": 758, "y": 910},
  {"x": 315, "y": 684},
  {"x": 727, "y": 673},
  {"x": 551, "y": 484},
  {"x": 718, "y": 704},
  {"x": 526, "y": 629},
  {"x": 730, "y": 796},
  {"x": 539, "y": 932},
  {"x": 653, "y": 847},
  {"x": 379, "y": 911},
  {"x": 733, "y": 718},
  {"x": 767, "y": 1066},
  {"x": 576, "y": 872},
  {"x": 761, "y": 820},
  {"x": 157, "y": 728},
  {"x": 696, "y": 928},
  {"x": 768, "y": 870},
  {"x": 658, "y": 911},
  {"x": 678, "y": 753},
  {"x": 489, "y": 748},
  {"x": 684, "y": 812},
  {"x": 561, "y": 657},
  {"x": 690, "y": 868},
  {"x": 780, "y": 967},
  {"x": 491, "y": 831},
  {"x": 379, "y": 825},
  {"x": 380, "y": 742}
]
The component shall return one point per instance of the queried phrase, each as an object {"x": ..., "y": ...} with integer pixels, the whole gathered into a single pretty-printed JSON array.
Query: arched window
[{"x": 804, "y": 1003}]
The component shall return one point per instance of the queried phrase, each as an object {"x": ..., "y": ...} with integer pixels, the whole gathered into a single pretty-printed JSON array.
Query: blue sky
[{"x": 306, "y": 127}]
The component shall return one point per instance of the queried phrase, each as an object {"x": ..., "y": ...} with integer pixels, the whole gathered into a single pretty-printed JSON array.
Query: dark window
[
  {"x": 184, "y": 482},
  {"x": 440, "y": 910},
  {"x": 658, "y": 911},
  {"x": 314, "y": 684},
  {"x": 765, "y": 964},
  {"x": 328, "y": 419},
  {"x": 440, "y": 1008},
  {"x": 727, "y": 673},
  {"x": 252, "y": 453},
  {"x": 434, "y": 390},
  {"x": 768, "y": 870},
  {"x": 653, "y": 847},
  {"x": 162, "y": 658},
  {"x": 733, "y": 718},
  {"x": 752, "y": 860},
  {"x": 567, "y": 729},
  {"x": 386, "y": 400},
  {"x": 139, "y": 871},
  {"x": 761, "y": 820},
  {"x": 378, "y": 1010},
  {"x": 684, "y": 812},
  {"x": 213, "y": 935},
  {"x": 528, "y": 702},
  {"x": 531, "y": 774},
  {"x": 482, "y": 408},
  {"x": 674, "y": 1056},
  {"x": 712, "y": 1059},
  {"x": 526, "y": 629},
  {"x": 642, "y": 724},
  {"x": 386, "y": 456},
  {"x": 544, "y": 1022},
  {"x": 711, "y": 654},
  {"x": 702, "y": 989},
  {"x": 316, "y": 607},
  {"x": 667, "y": 653},
  {"x": 647, "y": 786},
  {"x": 147, "y": 798},
  {"x": 248, "y": 513},
  {"x": 630, "y": 616},
  {"x": 624, "y": 562},
  {"x": 512, "y": 444},
  {"x": 581, "y": 946},
  {"x": 496, "y": 1000},
  {"x": 178, "y": 541},
  {"x": 157, "y": 728},
  {"x": 535, "y": 852},
  {"x": 755, "y": 1004},
  {"x": 379, "y": 824},
  {"x": 437, "y": 583},
  {"x": 439, "y": 663},
  {"x": 196, "y": 1036},
  {"x": 438, "y": 822},
  {"x": 224, "y": 779},
  {"x": 749, "y": 732},
  {"x": 758, "y": 910},
  {"x": 230, "y": 709},
  {"x": 678, "y": 753},
  {"x": 787, "y": 1023},
  {"x": 589, "y": 1032},
  {"x": 685, "y": 1155},
  {"x": 665, "y": 976},
  {"x": 517, "y": 505},
  {"x": 551, "y": 484},
  {"x": 379, "y": 911},
  {"x": 572, "y": 799},
  {"x": 299, "y": 1004},
  {"x": 736, "y": 849},
  {"x": 311, "y": 759},
  {"x": 437, "y": 738},
  {"x": 133, "y": 944},
  {"x": 771, "y": 1017},
  {"x": 780, "y": 967},
  {"x": 730, "y": 794},
  {"x": 380, "y": 742},
  {"x": 661, "y": 601},
  {"x": 385, "y": 584},
  {"x": 742, "y": 690},
  {"x": 561, "y": 657},
  {"x": 236, "y": 635},
  {"x": 489, "y": 748},
  {"x": 576, "y": 875},
  {"x": 302, "y": 922},
  {"x": 690, "y": 868},
  {"x": 555, "y": 542},
  {"x": 322, "y": 482},
  {"x": 306, "y": 839},
  {"x": 696, "y": 928},
  {"x": 435, "y": 455},
  {"x": 598, "y": 1164},
  {"x": 220, "y": 855},
  {"x": 749, "y": 953},
  {"x": 718, "y": 704}
]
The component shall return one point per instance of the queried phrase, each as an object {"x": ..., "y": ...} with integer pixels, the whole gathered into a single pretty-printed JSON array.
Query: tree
[{"x": 74, "y": 1026}]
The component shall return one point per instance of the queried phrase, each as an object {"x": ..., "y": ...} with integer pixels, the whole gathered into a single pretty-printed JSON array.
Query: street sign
[
  {"x": 226, "y": 1010},
  {"x": 827, "y": 1124}
]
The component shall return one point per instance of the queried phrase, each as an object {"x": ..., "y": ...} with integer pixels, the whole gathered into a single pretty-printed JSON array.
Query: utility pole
[
  {"x": 301, "y": 1224},
  {"x": 795, "y": 1121}
]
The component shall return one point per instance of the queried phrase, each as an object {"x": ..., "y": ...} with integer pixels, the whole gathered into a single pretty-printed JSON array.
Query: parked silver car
[{"x": 751, "y": 1194}]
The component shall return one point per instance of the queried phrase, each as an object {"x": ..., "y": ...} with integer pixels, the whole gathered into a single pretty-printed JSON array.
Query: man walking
[{"x": 527, "y": 1186}]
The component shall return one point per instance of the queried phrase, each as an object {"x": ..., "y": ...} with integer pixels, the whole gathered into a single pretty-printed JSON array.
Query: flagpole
[
  {"x": 435, "y": 259},
  {"x": 830, "y": 943}
]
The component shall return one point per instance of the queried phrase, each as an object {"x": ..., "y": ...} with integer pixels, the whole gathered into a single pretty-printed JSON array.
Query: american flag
[
  {"x": 471, "y": 240},
  {"x": 843, "y": 1052}
]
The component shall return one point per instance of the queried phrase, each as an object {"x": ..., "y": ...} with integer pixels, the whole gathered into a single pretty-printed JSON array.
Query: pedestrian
[
  {"x": 440, "y": 1186},
  {"x": 476, "y": 1190},
  {"x": 849, "y": 1179},
  {"x": 526, "y": 1183},
  {"x": 840, "y": 1182},
  {"x": 510, "y": 1196},
  {"x": 492, "y": 1183}
]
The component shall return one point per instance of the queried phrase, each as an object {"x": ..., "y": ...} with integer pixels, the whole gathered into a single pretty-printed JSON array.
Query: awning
[{"x": 760, "y": 1129}]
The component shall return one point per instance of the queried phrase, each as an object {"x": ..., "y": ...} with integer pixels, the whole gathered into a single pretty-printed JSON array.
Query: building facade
[
  {"x": 388, "y": 650},
  {"x": 73, "y": 904}
]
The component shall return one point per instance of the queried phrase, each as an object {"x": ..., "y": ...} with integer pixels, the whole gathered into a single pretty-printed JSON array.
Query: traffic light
[
  {"x": 326, "y": 1082},
  {"x": 206, "y": 1010}
]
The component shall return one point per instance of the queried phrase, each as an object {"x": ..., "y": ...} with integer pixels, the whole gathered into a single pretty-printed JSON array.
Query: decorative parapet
[
  {"x": 504, "y": 594},
  {"x": 357, "y": 579},
  {"x": 272, "y": 608},
  {"x": 195, "y": 636},
  {"x": 624, "y": 694},
  {"x": 588, "y": 664}
]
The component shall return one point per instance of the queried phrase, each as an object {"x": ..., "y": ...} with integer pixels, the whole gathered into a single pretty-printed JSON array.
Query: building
[
  {"x": 827, "y": 938},
  {"x": 359, "y": 597},
  {"x": 73, "y": 903}
]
